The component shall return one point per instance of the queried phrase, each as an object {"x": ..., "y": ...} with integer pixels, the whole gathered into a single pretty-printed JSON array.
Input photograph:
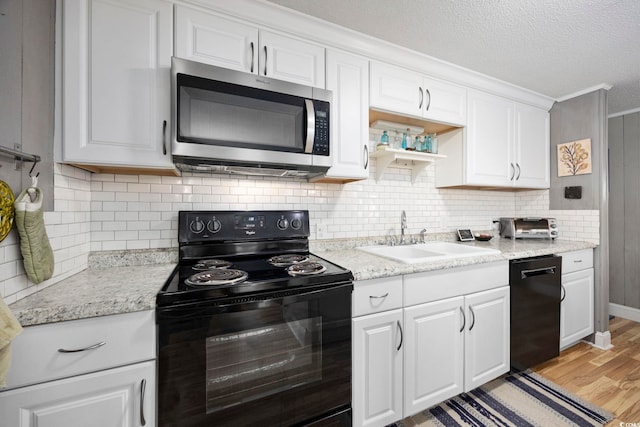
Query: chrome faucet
[
  {"x": 403, "y": 226},
  {"x": 424, "y": 230}
]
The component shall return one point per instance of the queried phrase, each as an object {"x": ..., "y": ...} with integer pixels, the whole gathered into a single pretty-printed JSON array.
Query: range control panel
[{"x": 212, "y": 226}]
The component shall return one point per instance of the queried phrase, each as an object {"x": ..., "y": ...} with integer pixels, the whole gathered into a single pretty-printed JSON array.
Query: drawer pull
[
  {"x": 77, "y": 350},
  {"x": 577, "y": 260},
  {"x": 379, "y": 296}
]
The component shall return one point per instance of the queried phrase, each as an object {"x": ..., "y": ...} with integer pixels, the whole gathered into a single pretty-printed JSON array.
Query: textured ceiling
[{"x": 554, "y": 47}]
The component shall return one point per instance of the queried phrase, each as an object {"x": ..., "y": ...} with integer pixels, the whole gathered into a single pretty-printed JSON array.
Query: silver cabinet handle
[
  {"x": 143, "y": 386},
  {"x": 265, "y": 60},
  {"x": 77, "y": 350},
  {"x": 164, "y": 137},
  {"x": 577, "y": 260},
  {"x": 366, "y": 157},
  {"x": 429, "y": 103},
  {"x": 421, "y": 97},
  {"x": 518, "y": 177},
  {"x": 252, "y": 56},
  {"x": 311, "y": 125},
  {"x": 379, "y": 296},
  {"x": 401, "y": 335},
  {"x": 473, "y": 318},
  {"x": 513, "y": 172},
  {"x": 564, "y": 293},
  {"x": 464, "y": 319}
]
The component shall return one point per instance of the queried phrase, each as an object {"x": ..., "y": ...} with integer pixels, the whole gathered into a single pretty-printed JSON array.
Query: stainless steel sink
[{"x": 428, "y": 252}]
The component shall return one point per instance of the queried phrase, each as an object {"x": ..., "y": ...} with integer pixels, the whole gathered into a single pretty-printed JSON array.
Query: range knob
[
  {"x": 283, "y": 223},
  {"x": 296, "y": 224},
  {"x": 196, "y": 226},
  {"x": 214, "y": 226}
]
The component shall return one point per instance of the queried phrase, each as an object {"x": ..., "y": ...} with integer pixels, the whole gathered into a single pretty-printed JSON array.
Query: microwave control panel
[{"x": 321, "y": 141}]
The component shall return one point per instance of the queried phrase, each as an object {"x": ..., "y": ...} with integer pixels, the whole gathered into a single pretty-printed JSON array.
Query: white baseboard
[
  {"x": 625, "y": 312},
  {"x": 602, "y": 340}
]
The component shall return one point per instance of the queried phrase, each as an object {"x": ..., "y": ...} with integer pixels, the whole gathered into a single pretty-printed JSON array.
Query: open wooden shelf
[{"x": 415, "y": 160}]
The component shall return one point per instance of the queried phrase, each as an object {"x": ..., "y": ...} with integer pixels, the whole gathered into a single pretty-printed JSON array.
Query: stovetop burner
[
  {"x": 306, "y": 268},
  {"x": 287, "y": 259},
  {"x": 217, "y": 277},
  {"x": 210, "y": 264}
]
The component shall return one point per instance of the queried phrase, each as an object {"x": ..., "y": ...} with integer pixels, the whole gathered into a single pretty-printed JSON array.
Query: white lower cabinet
[
  {"x": 434, "y": 353},
  {"x": 120, "y": 397},
  {"x": 577, "y": 306},
  {"x": 98, "y": 372},
  {"x": 454, "y": 345},
  {"x": 377, "y": 368},
  {"x": 423, "y": 338}
]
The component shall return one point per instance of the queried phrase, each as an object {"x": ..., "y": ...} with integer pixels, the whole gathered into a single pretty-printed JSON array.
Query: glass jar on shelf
[
  {"x": 427, "y": 143},
  {"x": 384, "y": 140},
  {"x": 434, "y": 143}
]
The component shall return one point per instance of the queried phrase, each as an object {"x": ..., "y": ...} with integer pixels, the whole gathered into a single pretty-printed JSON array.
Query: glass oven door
[{"x": 270, "y": 361}]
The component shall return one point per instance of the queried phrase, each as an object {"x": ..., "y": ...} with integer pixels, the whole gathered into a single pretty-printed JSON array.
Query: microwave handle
[{"x": 311, "y": 126}]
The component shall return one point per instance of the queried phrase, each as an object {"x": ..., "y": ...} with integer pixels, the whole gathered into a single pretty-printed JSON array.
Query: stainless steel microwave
[{"x": 231, "y": 121}]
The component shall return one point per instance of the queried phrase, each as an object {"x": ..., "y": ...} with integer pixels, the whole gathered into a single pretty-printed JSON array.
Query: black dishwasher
[{"x": 535, "y": 310}]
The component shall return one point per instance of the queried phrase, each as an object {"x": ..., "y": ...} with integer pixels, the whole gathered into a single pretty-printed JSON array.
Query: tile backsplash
[{"x": 103, "y": 212}]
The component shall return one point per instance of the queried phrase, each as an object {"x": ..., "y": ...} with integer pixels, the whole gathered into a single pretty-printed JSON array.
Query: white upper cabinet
[
  {"x": 490, "y": 144},
  {"x": 348, "y": 79},
  {"x": 401, "y": 91},
  {"x": 532, "y": 147},
  {"x": 505, "y": 144},
  {"x": 116, "y": 88},
  {"x": 215, "y": 40}
]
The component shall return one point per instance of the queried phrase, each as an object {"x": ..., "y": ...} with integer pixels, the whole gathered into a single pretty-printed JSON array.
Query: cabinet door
[
  {"x": 532, "y": 147},
  {"x": 377, "y": 368},
  {"x": 291, "y": 59},
  {"x": 111, "y": 398},
  {"x": 489, "y": 146},
  {"x": 576, "y": 309},
  {"x": 117, "y": 59},
  {"x": 433, "y": 351},
  {"x": 486, "y": 336},
  {"x": 445, "y": 102},
  {"x": 214, "y": 40},
  {"x": 348, "y": 78},
  {"x": 396, "y": 90}
]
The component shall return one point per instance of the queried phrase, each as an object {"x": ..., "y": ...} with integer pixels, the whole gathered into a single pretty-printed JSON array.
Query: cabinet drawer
[
  {"x": 372, "y": 296},
  {"x": 36, "y": 358},
  {"x": 576, "y": 260}
]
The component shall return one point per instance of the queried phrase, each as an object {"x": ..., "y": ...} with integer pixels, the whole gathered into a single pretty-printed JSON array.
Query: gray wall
[
  {"x": 571, "y": 120},
  {"x": 624, "y": 207},
  {"x": 27, "y": 34},
  {"x": 578, "y": 118}
]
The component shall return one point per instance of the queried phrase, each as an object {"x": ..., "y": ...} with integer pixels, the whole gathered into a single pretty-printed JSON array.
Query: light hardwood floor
[{"x": 609, "y": 379}]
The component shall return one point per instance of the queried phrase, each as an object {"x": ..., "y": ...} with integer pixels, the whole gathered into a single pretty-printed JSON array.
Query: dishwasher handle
[{"x": 524, "y": 274}]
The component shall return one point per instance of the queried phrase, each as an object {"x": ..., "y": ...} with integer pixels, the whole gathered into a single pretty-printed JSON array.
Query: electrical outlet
[{"x": 321, "y": 231}]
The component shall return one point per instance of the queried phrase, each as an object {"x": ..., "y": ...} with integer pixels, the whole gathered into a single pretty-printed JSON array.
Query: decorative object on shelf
[
  {"x": 574, "y": 158},
  {"x": 34, "y": 243},
  {"x": 384, "y": 139},
  {"x": 7, "y": 211}
]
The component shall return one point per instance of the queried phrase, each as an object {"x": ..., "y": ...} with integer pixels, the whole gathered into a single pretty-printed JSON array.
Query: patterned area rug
[{"x": 524, "y": 399}]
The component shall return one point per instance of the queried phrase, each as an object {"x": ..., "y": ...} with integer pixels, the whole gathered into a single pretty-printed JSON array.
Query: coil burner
[
  {"x": 210, "y": 264},
  {"x": 307, "y": 268},
  {"x": 287, "y": 260},
  {"x": 217, "y": 277}
]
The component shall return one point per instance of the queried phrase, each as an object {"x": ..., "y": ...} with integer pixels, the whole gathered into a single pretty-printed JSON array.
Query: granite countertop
[
  {"x": 128, "y": 281},
  {"x": 94, "y": 292},
  {"x": 366, "y": 266}
]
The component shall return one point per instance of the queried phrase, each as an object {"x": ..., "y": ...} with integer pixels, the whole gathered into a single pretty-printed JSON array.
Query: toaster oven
[{"x": 528, "y": 228}]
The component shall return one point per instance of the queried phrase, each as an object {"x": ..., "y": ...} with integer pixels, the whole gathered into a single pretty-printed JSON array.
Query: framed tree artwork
[{"x": 574, "y": 158}]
